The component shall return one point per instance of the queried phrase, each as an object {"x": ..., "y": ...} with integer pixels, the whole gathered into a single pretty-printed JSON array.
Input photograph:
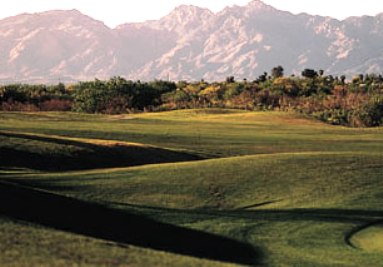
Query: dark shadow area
[
  {"x": 362, "y": 219},
  {"x": 257, "y": 211},
  {"x": 310, "y": 214},
  {"x": 98, "y": 221},
  {"x": 89, "y": 156},
  {"x": 301, "y": 214}
]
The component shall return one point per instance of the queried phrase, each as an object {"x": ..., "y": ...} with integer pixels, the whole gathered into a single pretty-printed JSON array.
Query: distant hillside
[{"x": 190, "y": 43}]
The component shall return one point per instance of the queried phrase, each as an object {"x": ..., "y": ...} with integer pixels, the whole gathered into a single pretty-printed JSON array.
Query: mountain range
[{"x": 190, "y": 43}]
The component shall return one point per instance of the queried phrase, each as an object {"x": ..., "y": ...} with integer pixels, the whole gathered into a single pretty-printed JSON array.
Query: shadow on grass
[
  {"x": 98, "y": 221},
  {"x": 87, "y": 156},
  {"x": 362, "y": 219},
  {"x": 300, "y": 214}
]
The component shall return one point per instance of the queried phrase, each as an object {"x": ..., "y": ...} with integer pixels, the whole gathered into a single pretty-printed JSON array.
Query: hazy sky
[{"x": 114, "y": 12}]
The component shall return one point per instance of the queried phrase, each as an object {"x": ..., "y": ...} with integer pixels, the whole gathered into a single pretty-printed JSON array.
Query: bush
[
  {"x": 371, "y": 113},
  {"x": 56, "y": 105}
]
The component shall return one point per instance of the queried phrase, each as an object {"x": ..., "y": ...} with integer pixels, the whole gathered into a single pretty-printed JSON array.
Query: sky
[{"x": 115, "y": 12}]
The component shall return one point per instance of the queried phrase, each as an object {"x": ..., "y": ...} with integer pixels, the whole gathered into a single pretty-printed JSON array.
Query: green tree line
[{"x": 357, "y": 102}]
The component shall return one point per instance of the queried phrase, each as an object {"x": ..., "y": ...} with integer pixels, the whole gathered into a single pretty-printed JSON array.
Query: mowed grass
[
  {"x": 25, "y": 244},
  {"x": 210, "y": 133},
  {"x": 370, "y": 238},
  {"x": 55, "y": 153},
  {"x": 295, "y": 189},
  {"x": 289, "y": 205}
]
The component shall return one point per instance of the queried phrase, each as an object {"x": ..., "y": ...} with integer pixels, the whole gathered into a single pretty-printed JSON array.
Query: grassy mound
[
  {"x": 370, "y": 238},
  {"x": 118, "y": 226},
  {"x": 28, "y": 245},
  {"x": 209, "y": 135},
  {"x": 55, "y": 153},
  {"x": 292, "y": 188},
  {"x": 298, "y": 207}
]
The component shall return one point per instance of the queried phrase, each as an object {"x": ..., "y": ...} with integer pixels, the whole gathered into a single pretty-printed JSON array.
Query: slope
[
  {"x": 55, "y": 153},
  {"x": 190, "y": 43},
  {"x": 296, "y": 200}
]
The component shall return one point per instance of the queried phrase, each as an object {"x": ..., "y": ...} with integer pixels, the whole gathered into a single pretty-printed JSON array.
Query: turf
[
  {"x": 299, "y": 192},
  {"x": 54, "y": 153},
  {"x": 370, "y": 239},
  {"x": 25, "y": 244}
]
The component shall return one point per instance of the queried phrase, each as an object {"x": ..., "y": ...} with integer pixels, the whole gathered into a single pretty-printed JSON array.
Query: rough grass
[{"x": 293, "y": 188}]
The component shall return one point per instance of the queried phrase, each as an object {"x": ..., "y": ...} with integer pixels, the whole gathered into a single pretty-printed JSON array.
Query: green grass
[
  {"x": 55, "y": 153},
  {"x": 370, "y": 239},
  {"x": 293, "y": 188},
  {"x": 24, "y": 244},
  {"x": 221, "y": 135}
]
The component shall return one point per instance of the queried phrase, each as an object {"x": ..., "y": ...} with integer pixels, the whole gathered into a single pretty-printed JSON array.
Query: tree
[
  {"x": 230, "y": 79},
  {"x": 262, "y": 78},
  {"x": 309, "y": 73},
  {"x": 277, "y": 72},
  {"x": 343, "y": 79}
]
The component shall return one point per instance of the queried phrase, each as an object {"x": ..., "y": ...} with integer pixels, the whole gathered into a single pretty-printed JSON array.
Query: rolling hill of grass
[
  {"x": 55, "y": 153},
  {"x": 298, "y": 192}
]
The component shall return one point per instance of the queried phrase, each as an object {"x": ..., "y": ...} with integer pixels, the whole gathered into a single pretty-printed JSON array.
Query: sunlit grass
[
  {"x": 370, "y": 238},
  {"x": 292, "y": 187}
]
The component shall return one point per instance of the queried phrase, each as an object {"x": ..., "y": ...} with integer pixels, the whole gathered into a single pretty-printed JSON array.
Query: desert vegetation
[{"x": 357, "y": 102}]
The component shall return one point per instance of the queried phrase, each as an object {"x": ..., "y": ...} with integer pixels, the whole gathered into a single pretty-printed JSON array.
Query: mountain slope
[
  {"x": 189, "y": 43},
  {"x": 56, "y": 44}
]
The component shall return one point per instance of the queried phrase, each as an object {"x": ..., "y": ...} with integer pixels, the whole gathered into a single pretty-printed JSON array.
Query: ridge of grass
[
  {"x": 292, "y": 188},
  {"x": 55, "y": 153}
]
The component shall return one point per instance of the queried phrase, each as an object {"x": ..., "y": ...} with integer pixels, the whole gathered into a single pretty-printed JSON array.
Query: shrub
[{"x": 371, "y": 113}]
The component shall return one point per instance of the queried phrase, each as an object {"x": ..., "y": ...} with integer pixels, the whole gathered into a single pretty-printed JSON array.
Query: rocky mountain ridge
[{"x": 190, "y": 43}]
